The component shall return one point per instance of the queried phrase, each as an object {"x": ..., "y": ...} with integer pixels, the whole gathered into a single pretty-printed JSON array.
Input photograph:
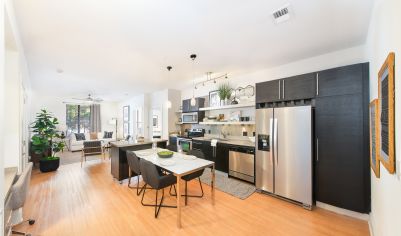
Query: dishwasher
[{"x": 241, "y": 163}]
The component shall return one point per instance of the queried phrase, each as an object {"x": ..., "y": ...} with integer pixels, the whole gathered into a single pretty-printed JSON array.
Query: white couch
[{"x": 74, "y": 145}]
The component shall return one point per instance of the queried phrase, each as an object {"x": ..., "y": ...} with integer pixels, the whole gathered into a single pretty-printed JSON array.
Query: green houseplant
[
  {"x": 224, "y": 91},
  {"x": 43, "y": 140}
]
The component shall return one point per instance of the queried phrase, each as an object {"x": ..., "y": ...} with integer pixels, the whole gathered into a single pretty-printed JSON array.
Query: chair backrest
[
  {"x": 92, "y": 146},
  {"x": 197, "y": 153},
  {"x": 19, "y": 190},
  {"x": 133, "y": 162},
  {"x": 150, "y": 174},
  {"x": 172, "y": 147}
]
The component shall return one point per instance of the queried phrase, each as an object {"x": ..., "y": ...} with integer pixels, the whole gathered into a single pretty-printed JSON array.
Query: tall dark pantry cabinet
[
  {"x": 342, "y": 137},
  {"x": 340, "y": 97}
]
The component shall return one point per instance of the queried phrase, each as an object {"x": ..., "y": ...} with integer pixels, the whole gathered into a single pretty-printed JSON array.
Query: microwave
[{"x": 191, "y": 118}]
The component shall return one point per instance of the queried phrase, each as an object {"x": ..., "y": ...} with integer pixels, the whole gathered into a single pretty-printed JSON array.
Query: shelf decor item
[
  {"x": 214, "y": 99},
  {"x": 386, "y": 114},
  {"x": 224, "y": 91},
  {"x": 374, "y": 134}
]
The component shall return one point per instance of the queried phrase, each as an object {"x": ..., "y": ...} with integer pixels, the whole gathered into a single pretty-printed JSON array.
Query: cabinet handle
[
  {"x": 317, "y": 83},
  {"x": 279, "y": 89},
  {"x": 283, "y": 89},
  {"x": 317, "y": 149}
]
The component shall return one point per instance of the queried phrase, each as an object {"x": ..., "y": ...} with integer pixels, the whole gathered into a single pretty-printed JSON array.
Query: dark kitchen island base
[{"x": 119, "y": 165}]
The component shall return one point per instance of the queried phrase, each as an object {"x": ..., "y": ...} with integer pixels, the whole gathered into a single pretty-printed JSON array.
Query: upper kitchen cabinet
[
  {"x": 298, "y": 87},
  {"x": 268, "y": 91},
  {"x": 186, "y": 105},
  {"x": 341, "y": 81}
]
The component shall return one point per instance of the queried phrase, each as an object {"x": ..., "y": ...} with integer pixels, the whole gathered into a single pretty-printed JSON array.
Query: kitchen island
[{"x": 118, "y": 155}]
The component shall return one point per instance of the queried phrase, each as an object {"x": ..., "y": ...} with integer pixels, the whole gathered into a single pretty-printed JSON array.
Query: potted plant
[
  {"x": 224, "y": 91},
  {"x": 44, "y": 143}
]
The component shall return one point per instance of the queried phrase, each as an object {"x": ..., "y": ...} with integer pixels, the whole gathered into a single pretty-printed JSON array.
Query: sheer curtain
[{"x": 95, "y": 118}]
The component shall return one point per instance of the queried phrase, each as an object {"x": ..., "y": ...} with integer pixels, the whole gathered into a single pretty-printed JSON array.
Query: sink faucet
[{"x": 224, "y": 134}]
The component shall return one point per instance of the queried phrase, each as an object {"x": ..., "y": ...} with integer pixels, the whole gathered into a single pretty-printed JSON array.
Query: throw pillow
[
  {"x": 108, "y": 134},
  {"x": 93, "y": 135},
  {"x": 79, "y": 136}
]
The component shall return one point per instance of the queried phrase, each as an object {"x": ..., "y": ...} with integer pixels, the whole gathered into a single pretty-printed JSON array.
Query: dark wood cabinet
[
  {"x": 186, "y": 105},
  {"x": 298, "y": 87},
  {"x": 268, "y": 91},
  {"x": 341, "y": 81},
  {"x": 205, "y": 147},
  {"x": 342, "y": 172},
  {"x": 221, "y": 158}
]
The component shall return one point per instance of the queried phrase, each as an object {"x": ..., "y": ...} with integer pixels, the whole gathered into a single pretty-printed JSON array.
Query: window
[{"x": 78, "y": 118}]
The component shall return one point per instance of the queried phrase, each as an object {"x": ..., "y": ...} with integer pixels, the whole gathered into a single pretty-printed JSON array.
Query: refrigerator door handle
[
  {"x": 317, "y": 149},
  {"x": 275, "y": 148},
  {"x": 271, "y": 141},
  {"x": 279, "y": 89}
]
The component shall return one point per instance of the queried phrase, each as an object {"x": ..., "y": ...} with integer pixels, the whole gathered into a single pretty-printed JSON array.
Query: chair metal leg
[
  {"x": 186, "y": 195},
  {"x": 19, "y": 233},
  {"x": 138, "y": 189},
  {"x": 157, "y": 206}
]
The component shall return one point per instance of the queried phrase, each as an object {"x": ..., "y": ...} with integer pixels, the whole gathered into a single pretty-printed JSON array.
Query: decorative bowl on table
[{"x": 165, "y": 154}]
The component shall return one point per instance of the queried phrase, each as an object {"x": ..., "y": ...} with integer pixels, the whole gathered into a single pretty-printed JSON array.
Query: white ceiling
[{"x": 113, "y": 47}]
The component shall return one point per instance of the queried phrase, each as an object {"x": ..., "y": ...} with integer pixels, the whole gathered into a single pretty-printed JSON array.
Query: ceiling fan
[{"x": 89, "y": 99}]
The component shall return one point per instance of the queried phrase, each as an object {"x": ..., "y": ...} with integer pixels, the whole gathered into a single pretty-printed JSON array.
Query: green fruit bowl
[{"x": 165, "y": 154}]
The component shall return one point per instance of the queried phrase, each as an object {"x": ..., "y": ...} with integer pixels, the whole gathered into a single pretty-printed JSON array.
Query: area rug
[
  {"x": 234, "y": 187},
  {"x": 74, "y": 157}
]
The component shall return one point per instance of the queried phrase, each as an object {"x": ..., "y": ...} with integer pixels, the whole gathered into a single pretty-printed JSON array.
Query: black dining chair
[
  {"x": 194, "y": 175},
  {"x": 172, "y": 147},
  {"x": 134, "y": 168},
  {"x": 157, "y": 181}
]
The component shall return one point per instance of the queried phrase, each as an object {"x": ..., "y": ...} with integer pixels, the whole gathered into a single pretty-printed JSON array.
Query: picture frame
[
  {"x": 126, "y": 113},
  {"x": 155, "y": 121},
  {"x": 214, "y": 98},
  {"x": 386, "y": 113},
  {"x": 126, "y": 121},
  {"x": 374, "y": 134}
]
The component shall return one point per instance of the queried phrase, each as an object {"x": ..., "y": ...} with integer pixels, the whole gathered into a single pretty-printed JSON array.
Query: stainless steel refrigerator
[{"x": 284, "y": 152}]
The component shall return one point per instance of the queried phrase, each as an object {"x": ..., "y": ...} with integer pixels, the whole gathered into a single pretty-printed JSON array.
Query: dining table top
[{"x": 178, "y": 164}]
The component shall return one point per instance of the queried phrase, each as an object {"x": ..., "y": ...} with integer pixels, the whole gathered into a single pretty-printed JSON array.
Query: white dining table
[{"x": 179, "y": 165}]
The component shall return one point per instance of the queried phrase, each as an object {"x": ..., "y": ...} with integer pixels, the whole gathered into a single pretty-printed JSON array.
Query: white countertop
[
  {"x": 228, "y": 141},
  {"x": 135, "y": 142},
  {"x": 181, "y": 163}
]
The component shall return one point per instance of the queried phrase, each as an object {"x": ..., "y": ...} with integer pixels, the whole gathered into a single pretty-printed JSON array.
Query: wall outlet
[{"x": 397, "y": 169}]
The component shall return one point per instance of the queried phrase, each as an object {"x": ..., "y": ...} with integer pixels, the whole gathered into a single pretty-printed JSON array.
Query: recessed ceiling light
[{"x": 59, "y": 71}]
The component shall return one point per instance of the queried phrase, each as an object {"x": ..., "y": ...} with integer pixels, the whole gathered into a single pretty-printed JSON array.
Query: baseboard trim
[
  {"x": 342, "y": 211},
  {"x": 370, "y": 227}
]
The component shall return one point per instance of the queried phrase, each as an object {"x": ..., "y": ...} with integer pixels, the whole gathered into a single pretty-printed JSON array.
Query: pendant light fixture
[
  {"x": 168, "y": 103},
  {"x": 193, "y": 100}
]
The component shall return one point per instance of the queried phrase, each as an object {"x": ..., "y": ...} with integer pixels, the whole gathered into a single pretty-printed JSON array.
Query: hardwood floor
[{"x": 87, "y": 201}]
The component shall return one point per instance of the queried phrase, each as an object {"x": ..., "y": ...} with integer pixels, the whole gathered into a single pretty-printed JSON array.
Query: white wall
[
  {"x": 135, "y": 103},
  {"x": 12, "y": 131},
  {"x": 2, "y": 72},
  {"x": 149, "y": 103},
  {"x": 384, "y": 37},
  {"x": 334, "y": 59}
]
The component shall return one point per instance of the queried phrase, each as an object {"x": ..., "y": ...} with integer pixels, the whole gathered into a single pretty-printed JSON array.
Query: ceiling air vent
[{"x": 282, "y": 14}]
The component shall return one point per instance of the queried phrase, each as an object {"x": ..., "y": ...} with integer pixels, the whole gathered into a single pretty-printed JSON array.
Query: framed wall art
[
  {"x": 374, "y": 133},
  {"x": 214, "y": 99},
  {"x": 386, "y": 114},
  {"x": 126, "y": 121}
]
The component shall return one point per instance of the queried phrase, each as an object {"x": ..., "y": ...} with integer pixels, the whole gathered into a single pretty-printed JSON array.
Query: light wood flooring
[{"x": 87, "y": 201}]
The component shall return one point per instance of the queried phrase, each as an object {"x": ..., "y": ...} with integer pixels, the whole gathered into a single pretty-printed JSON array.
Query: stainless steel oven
[
  {"x": 190, "y": 118},
  {"x": 242, "y": 163}
]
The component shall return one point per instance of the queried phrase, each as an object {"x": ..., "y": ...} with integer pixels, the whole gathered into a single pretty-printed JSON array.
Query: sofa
[{"x": 74, "y": 145}]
